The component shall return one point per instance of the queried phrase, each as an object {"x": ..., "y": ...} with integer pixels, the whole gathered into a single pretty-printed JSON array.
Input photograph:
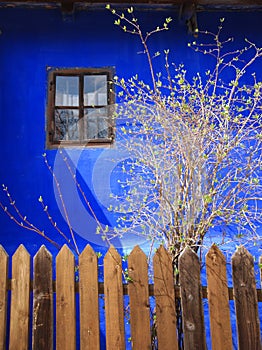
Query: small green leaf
[{"x": 207, "y": 199}]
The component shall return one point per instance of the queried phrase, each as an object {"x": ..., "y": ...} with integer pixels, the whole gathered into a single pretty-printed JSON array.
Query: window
[{"x": 79, "y": 106}]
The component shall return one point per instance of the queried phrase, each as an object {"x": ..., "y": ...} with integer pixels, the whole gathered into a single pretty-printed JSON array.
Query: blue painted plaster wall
[{"x": 34, "y": 39}]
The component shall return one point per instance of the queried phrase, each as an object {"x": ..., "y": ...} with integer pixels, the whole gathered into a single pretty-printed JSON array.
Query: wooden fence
[{"x": 59, "y": 297}]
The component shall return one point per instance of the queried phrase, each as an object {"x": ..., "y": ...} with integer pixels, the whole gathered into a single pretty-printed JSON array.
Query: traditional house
[{"x": 57, "y": 61}]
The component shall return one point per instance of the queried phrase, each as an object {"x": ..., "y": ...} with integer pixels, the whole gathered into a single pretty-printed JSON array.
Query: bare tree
[{"x": 195, "y": 145}]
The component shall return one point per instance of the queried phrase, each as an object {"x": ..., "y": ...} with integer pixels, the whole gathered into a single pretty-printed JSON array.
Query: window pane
[
  {"x": 96, "y": 123},
  {"x": 67, "y": 91},
  {"x": 66, "y": 125},
  {"x": 95, "y": 90}
]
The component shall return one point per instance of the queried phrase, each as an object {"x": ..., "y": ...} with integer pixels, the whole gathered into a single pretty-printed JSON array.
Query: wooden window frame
[{"x": 51, "y": 107}]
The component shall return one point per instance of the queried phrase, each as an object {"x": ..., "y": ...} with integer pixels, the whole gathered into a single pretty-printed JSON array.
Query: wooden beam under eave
[
  {"x": 69, "y": 3},
  {"x": 67, "y": 6}
]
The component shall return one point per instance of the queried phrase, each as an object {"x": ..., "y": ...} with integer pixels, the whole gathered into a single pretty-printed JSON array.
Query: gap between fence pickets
[{"x": 150, "y": 288}]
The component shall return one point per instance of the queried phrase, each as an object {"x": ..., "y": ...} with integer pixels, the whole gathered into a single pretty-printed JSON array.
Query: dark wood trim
[
  {"x": 67, "y": 6},
  {"x": 68, "y": 3}
]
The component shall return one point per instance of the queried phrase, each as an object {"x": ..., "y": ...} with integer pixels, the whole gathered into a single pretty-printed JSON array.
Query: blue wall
[{"x": 34, "y": 39}]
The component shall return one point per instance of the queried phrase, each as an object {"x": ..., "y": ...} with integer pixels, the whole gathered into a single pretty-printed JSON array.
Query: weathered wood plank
[
  {"x": 89, "y": 304},
  {"x": 43, "y": 301},
  {"x": 165, "y": 300},
  {"x": 139, "y": 300},
  {"x": 260, "y": 264},
  {"x": 224, "y": 4},
  {"x": 218, "y": 301},
  {"x": 3, "y": 295},
  {"x": 245, "y": 295},
  {"x": 259, "y": 291},
  {"x": 20, "y": 293},
  {"x": 65, "y": 300},
  {"x": 191, "y": 300},
  {"x": 114, "y": 306}
]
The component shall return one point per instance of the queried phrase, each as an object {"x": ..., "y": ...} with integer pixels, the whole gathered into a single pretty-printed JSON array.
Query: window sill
[{"x": 77, "y": 144}]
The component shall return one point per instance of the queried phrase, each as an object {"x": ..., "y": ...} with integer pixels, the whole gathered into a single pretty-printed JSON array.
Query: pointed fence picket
[
  {"x": 62, "y": 292},
  {"x": 139, "y": 300},
  {"x": 217, "y": 293},
  {"x": 42, "y": 300},
  {"x": 165, "y": 295},
  {"x": 246, "y": 300},
  {"x": 3, "y": 295},
  {"x": 20, "y": 296},
  {"x": 191, "y": 300},
  {"x": 114, "y": 307},
  {"x": 65, "y": 300},
  {"x": 89, "y": 303}
]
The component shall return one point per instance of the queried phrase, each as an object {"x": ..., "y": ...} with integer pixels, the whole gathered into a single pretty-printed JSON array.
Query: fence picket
[
  {"x": 260, "y": 264},
  {"x": 114, "y": 307},
  {"x": 20, "y": 292},
  {"x": 191, "y": 299},
  {"x": 245, "y": 295},
  {"x": 165, "y": 300},
  {"x": 43, "y": 301},
  {"x": 89, "y": 306},
  {"x": 260, "y": 268},
  {"x": 139, "y": 300},
  {"x": 3, "y": 295},
  {"x": 217, "y": 290},
  {"x": 65, "y": 300}
]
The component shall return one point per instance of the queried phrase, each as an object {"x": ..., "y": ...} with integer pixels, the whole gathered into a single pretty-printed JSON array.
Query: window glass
[
  {"x": 66, "y": 125},
  {"x": 96, "y": 123},
  {"x": 95, "y": 90},
  {"x": 67, "y": 91}
]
